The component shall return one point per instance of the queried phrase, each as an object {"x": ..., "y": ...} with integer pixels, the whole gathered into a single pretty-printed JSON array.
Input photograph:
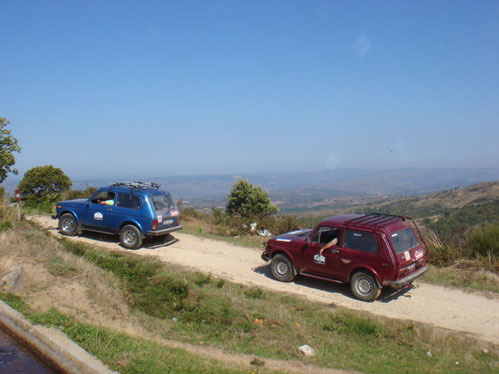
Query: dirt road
[{"x": 439, "y": 306}]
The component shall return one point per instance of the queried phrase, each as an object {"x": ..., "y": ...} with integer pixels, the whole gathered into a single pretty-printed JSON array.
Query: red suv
[{"x": 368, "y": 251}]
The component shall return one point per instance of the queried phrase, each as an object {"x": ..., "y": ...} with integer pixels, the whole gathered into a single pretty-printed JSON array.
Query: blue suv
[{"x": 134, "y": 210}]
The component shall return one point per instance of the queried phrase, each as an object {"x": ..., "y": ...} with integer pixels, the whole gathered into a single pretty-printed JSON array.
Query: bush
[
  {"x": 79, "y": 194},
  {"x": 43, "y": 185},
  {"x": 249, "y": 201},
  {"x": 484, "y": 241}
]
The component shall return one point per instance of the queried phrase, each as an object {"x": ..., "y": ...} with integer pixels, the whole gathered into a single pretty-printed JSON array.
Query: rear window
[
  {"x": 361, "y": 241},
  {"x": 404, "y": 240},
  {"x": 162, "y": 202}
]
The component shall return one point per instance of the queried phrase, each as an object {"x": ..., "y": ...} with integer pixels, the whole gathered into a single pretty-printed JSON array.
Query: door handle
[
  {"x": 335, "y": 250},
  {"x": 109, "y": 210}
]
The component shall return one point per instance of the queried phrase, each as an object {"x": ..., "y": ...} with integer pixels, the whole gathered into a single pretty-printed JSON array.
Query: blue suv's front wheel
[
  {"x": 68, "y": 224},
  {"x": 130, "y": 237}
]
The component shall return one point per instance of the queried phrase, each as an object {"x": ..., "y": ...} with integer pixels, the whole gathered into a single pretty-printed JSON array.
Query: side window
[
  {"x": 325, "y": 234},
  {"x": 125, "y": 200},
  {"x": 361, "y": 241},
  {"x": 102, "y": 197}
]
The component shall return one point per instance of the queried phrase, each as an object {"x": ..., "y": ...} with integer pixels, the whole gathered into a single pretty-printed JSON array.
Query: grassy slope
[{"x": 191, "y": 307}]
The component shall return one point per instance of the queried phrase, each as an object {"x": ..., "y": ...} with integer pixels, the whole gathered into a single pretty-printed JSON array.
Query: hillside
[
  {"x": 443, "y": 201},
  {"x": 452, "y": 214}
]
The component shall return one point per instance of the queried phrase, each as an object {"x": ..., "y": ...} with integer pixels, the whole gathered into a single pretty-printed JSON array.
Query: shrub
[
  {"x": 43, "y": 185},
  {"x": 484, "y": 241},
  {"x": 3, "y": 197},
  {"x": 79, "y": 194},
  {"x": 249, "y": 201}
]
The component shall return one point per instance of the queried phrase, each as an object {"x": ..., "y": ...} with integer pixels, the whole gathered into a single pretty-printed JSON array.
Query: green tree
[
  {"x": 248, "y": 200},
  {"x": 43, "y": 184},
  {"x": 8, "y": 145}
]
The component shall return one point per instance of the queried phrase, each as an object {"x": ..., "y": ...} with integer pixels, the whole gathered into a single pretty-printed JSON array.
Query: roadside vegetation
[{"x": 161, "y": 302}]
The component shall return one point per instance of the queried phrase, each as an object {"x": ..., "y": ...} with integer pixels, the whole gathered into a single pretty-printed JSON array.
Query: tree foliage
[
  {"x": 248, "y": 200},
  {"x": 43, "y": 184},
  {"x": 8, "y": 145}
]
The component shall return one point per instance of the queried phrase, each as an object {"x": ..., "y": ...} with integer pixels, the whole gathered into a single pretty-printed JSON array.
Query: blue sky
[{"x": 138, "y": 88}]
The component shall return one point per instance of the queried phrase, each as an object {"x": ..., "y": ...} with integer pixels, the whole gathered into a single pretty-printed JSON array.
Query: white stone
[{"x": 306, "y": 350}]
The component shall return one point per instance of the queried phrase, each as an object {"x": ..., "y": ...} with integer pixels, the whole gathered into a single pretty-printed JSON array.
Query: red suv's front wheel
[{"x": 282, "y": 268}]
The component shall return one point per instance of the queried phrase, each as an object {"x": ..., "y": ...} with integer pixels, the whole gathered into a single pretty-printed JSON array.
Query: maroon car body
[{"x": 371, "y": 251}]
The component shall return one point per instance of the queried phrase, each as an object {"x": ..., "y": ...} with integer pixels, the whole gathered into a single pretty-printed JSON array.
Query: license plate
[
  {"x": 410, "y": 267},
  {"x": 168, "y": 221}
]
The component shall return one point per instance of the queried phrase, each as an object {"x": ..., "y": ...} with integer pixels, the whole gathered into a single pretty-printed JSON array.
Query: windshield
[
  {"x": 162, "y": 202},
  {"x": 404, "y": 240}
]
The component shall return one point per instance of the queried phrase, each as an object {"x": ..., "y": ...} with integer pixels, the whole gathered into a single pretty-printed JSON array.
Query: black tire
[
  {"x": 68, "y": 225},
  {"x": 282, "y": 268},
  {"x": 364, "y": 286},
  {"x": 130, "y": 237}
]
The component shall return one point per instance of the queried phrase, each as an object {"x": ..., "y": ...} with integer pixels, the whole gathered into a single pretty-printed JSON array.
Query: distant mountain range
[{"x": 312, "y": 190}]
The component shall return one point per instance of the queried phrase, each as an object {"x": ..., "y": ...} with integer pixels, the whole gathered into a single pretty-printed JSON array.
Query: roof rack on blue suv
[
  {"x": 137, "y": 185},
  {"x": 134, "y": 210}
]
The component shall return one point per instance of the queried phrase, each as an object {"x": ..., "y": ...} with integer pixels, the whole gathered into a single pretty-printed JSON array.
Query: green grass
[
  {"x": 465, "y": 278},
  {"x": 123, "y": 353},
  {"x": 194, "y": 307},
  {"x": 250, "y": 241},
  {"x": 59, "y": 268}
]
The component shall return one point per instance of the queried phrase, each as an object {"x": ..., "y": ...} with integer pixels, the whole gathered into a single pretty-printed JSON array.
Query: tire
[
  {"x": 364, "y": 286},
  {"x": 282, "y": 268},
  {"x": 130, "y": 237},
  {"x": 68, "y": 225}
]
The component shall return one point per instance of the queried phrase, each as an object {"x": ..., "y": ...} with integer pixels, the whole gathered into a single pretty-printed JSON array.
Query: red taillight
[{"x": 155, "y": 224}]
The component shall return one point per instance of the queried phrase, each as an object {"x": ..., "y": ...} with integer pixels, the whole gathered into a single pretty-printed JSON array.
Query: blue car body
[{"x": 151, "y": 210}]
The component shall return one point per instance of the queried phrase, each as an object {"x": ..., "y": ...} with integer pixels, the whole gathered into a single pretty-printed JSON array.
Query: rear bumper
[
  {"x": 164, "y": 231},
  {"x": 402, "y": 282}
]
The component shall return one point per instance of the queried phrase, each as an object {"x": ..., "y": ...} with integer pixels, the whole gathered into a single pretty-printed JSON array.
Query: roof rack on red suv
[{"x": 374, "y": 220}]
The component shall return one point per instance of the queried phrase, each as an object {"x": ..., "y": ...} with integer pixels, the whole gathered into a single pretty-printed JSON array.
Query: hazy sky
[{"x": 132, "y": 88}]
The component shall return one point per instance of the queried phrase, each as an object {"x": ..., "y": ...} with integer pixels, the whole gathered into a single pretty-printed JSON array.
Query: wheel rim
[
  {"x": 364, "y": 286},
  {"x": 130, "y": 237},
  {"x": 68, "y": 225},
  {"x": 282, "y": 268}
]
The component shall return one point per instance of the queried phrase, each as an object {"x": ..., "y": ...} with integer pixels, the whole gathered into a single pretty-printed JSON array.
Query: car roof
[{"x": 370, "y": 222}]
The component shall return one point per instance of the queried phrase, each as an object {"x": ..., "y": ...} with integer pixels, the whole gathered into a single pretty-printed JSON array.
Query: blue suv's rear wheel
[{"x": 130, "y": 237}]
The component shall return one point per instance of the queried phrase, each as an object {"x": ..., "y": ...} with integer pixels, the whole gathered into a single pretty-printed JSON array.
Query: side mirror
[{"x": 88, "y": 202}]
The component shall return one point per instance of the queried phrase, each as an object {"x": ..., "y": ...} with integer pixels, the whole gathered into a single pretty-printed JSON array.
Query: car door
[
  {"x": 313, "y": 262},
  {"x": 98, "y": 214},
  {"x": 359, "y": 249},
  {"x": 128, "y": 207}
]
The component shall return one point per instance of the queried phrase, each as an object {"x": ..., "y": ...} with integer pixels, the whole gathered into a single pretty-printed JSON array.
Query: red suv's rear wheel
[{"x": 364, "y": 286}]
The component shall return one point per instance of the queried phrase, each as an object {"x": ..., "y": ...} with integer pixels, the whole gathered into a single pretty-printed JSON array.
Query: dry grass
[{"x": 84, "y": 290}]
